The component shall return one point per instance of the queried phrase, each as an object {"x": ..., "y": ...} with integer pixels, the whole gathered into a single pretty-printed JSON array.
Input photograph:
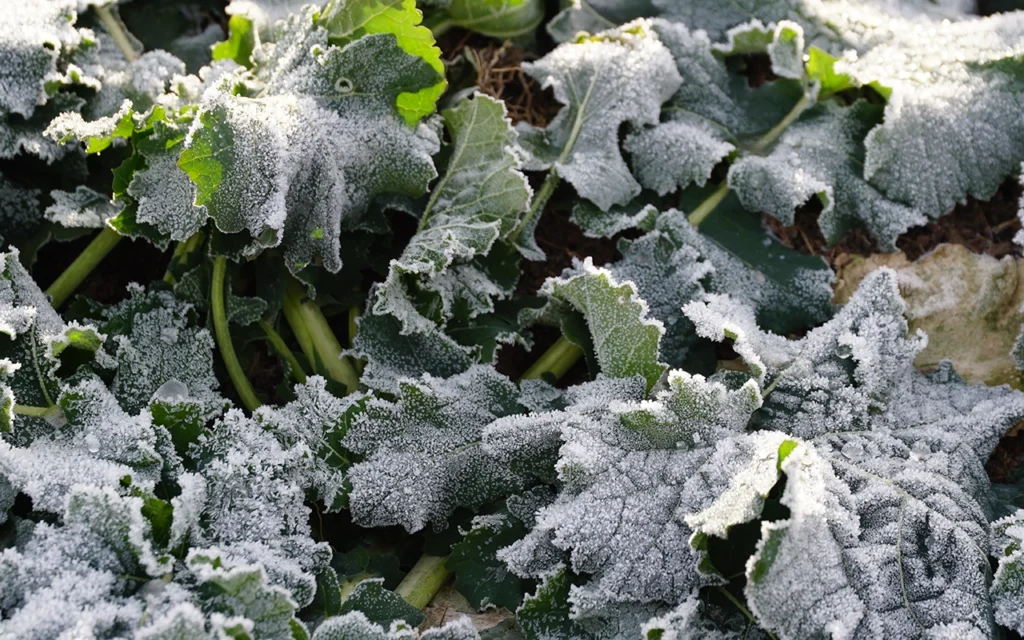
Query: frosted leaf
[
  {"x": 1008, "y": 583},
  {"x": 477, "y": 201},
  {"x": 187, "y": 507},
  {"x": 99, "y": 444},
  {"x": 595, "y": 223},
  {"x": 625, "y": 340},
  {"x": 422, "y": 453},
  {"x": 316, "y": 420},
  {"x": 592, "y": 16},
  {"x": 822, "y": 155},
  {"x": 183, "y": 622},
  {"x": 668, "y": 270},
  {"x": 708, "y": 118},
  {"x": 391, "y": 356},
  {"x": 142, "y": 81},
  {"x": 38, "y": 336},
  {"x": 265, "y": 13},
  {"x": 695, "y": 619},
  {"x": 356, "y": 626},
  {"x": 618, "y": 76},
  {"x": 34, "y": 37},
  {"x": 71, "y": 578},
  {"x": 240, "y": 590},
  {"x": 163, "y": 192},
  {"x": 255, "y": 496},
  {"x": 631, "y": 471},
  {"x": 857, "y": 529},
  {"x": 155, "y": 341},
  {"x": 82, "y": 208},
  {"x": 949, "y": 132},
  {"x": 304, "y": 159}
]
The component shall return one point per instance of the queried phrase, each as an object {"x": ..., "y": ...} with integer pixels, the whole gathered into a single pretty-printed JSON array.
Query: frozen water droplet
[
  {"x": 844, "y": 351},
  {"x": 407, "y": 490},
  {"x": 92, "y": 443},
  {"x": 173, "y": 389},
  {"x": 853, "y": 450},
  {"x": 920, "y": 450},
  {"x": 169, "y": 335},
  {"x": 344, "y": 86}
]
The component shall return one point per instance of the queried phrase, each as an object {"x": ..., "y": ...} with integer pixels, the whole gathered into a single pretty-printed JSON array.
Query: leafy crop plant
[{"x": 304, "y": 336}]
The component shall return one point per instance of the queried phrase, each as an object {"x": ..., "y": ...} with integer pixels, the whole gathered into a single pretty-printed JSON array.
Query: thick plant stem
[
  {"x": 424, "y": 580},
  {"x": 557, "y": 360},
  {"x": 283, "y": 350},
  {"x": 77, "y": 271},
  {"x": 705, "y": 208},
  {"x": 181, "y": 252},
  {"x": 314, "y": 335},
  {"x": 220, "y": 329},
  {"x": 769, "y": 138},
  {"x": 117, "y": 33},
  {"x": 38, "y": 412}
]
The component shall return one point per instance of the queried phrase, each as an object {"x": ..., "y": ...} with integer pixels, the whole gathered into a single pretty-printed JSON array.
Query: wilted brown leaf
[{"x": 968, "y": 304}]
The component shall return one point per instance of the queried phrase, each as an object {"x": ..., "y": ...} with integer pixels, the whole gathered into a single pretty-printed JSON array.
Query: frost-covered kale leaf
[
  {"x": 356, "y": 626},
  {"x": 422, "y": 452},
  {"x": 300, "y": 152},
  {"x": 631, "y": 470},
  {"x": 675, "y": 264},
  {"x": 33, "y": 339},
  {"x": 77, "y": 577},
  {"x": 624, "y": 339},
  {"x": 885, "y": 485},
  {"x": 479, "y": 574},
  {"x": 1008, "y": 583},
  {"x": 161, "y": 356},
  {"x": 605, "y": 80},
  {"x": 822, "y": 155},
  {"x": 476, "y": 203},
  {"x": 391, "y": 355},
  {"x": 38, "y": 50},
  {"x": 712, "y": 115}
]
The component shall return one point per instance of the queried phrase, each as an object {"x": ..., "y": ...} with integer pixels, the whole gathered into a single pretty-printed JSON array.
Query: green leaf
[
  {"x": 1008, "y": 582},
  {"x": 501, "y": 19},
  {"x": 477, "y": 201},
  {"x": 545, "y": 614},
  {"x": 423, "y": 457},
  {"x": 379, "y": 605},
  {"x": 327, "y": 101},
  {"x": 391, "y": 356},
  {"x": 619, "y": 76},
  {"x": 240, "y": 43},
  {"x": 625, "y": 340},
  {"x": 349, "y": 21},
  {"x": 479, "y": 574}
]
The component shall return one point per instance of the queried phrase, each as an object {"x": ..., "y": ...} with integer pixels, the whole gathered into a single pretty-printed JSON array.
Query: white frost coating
[
  {"x": 101, "y": 445},
  {"x": 626, "y": 340},
  {"x": 1008, "y": 583},
  {"x": 70, "y": 125},
  {"x": 35, "y": 34},
  {"x": 708, "y": 113},
  {"x": 314, "y": 421},
  {"x": 356, "y": 626},
  {"x": 165, "y": 195},
  {"x": 617, "y": 76},
  {"x": 632, "y": 471},
  {"x": 303, "y": 159},
  {"x": 70, "y": 578},
  {"x": 858, "y": 528},
  {"x": 477, "y": 201},
  {"x": 82, "y": 208},
  {"x": 422, "y": 453},
  {"x": 818, "y": 156}
]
